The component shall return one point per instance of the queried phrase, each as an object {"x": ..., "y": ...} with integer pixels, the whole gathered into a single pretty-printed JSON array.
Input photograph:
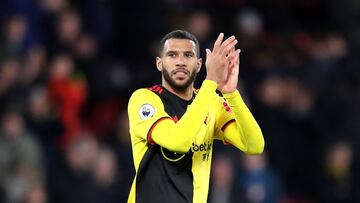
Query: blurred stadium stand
[{"x": 67, "y": 69}]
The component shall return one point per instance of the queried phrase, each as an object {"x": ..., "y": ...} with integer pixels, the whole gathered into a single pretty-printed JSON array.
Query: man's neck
[{"x": 187, "y": 94}]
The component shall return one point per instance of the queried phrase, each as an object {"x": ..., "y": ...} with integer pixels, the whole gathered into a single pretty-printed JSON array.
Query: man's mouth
[{"x": 181, "y": 72}]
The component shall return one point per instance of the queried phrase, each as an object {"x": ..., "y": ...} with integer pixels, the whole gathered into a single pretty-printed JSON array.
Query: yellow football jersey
[{"x": 172, "y": 140}]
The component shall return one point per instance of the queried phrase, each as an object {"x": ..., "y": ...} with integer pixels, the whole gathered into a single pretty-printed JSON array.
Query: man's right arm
[{"x": 149, "y": 121}]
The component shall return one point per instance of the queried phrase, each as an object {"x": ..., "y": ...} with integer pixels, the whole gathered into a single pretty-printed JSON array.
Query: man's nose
[{"x": 180, "y": 63}]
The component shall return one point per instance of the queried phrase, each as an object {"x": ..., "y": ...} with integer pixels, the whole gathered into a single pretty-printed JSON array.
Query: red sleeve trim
[
  {"x": 227, "y": 124},
  {"x": 149, "y": 140},
  {"x": 227, "y": 143}
]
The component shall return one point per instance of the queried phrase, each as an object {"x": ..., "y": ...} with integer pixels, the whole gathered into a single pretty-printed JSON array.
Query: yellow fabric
[
  {"x": 195, "y": 131},
  {"x": 245, "y": 133},
  {"x": 183, "y": 132}
]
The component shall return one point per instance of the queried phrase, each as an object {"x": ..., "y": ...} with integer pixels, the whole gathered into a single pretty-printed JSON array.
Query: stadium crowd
[{"x": 67, "y": 69}]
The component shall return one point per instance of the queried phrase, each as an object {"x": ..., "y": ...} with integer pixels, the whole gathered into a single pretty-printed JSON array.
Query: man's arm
[
  {"x": 242, "y": 131},
  {"x": 160, "y": 128}
]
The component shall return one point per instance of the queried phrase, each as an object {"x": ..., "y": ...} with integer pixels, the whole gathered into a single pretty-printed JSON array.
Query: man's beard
[{"x": 174, "y": 85}]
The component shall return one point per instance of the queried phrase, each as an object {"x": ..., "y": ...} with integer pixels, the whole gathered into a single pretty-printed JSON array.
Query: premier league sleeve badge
[{"x": 146, "y": 111}]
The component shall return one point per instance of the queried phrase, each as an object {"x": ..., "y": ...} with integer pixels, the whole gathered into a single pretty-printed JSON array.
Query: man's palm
[{"x": 231, "y": 80}]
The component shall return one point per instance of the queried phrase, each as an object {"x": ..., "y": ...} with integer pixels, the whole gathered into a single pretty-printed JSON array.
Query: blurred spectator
[
  {"x": 68, "y": 92},
  {"x": 105, "y": 167},
  {"x": 257, "y": 181},
  {"x": 325, "y": 57},
  {"x": 105, "y": 174},
  {"x": 272, "y": 92},
  {"x": 36, "y": 194},
  {"x": 18, "y": 146},
  {"x": 299, "y": 101},
  {"x": 14, "y": 34},
  {"x": 249, "y": 28},
  {"x": 9, "y": 73},
  {"x": 119, "y": 141},
  {"x": 43, "y": 121},
  {"x": 69, "y": 66},
  {"x": 339, "y": 181},
  {"x": 86, "y": 47},
  {"x": 69, "y": 27},
  {"x": 200, "y": 24},
  {"x": 34, "y": 70},
  {"x": 81, "y": 154},
  {"x": 99, "y": 21},
  {"x": 54, "y": 6},
  {"x": 20, "y": 183},
  {"x": 223, "y": 189},
  {"x": 20, "y": 157},
  {"x": 74, "y": 170},
  {"x": 12, "y": 92},
  {"x": 40, "y": 117},
  {"x": 31, "y": 12},
  {"x": 249, "y": 22}
]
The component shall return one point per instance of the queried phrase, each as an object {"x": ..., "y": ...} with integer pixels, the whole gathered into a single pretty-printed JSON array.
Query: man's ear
[
  {"x": 159, "y": 63},
  {"x": 199, "y": 63}
]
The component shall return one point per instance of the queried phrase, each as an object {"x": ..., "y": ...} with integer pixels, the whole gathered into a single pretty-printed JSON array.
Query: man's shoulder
[
  {"x": 143, "y": 98},
  {"x": 147, "y": 92}
]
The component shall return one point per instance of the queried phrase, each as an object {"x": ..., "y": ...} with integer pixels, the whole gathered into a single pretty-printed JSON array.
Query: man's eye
[
  {"x": 189, "y": 55},
  {"x": 171, "y": 55}
]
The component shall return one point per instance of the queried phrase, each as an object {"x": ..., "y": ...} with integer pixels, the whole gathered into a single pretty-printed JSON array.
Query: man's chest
[{"x": 204, "y": 138}]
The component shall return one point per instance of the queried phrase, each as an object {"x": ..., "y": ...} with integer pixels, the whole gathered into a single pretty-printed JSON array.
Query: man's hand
[
  {"x": 219, "y": 59},
  {"x": 230, "y": 83}
]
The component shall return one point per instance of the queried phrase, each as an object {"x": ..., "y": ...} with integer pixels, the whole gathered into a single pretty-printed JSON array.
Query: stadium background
[{"x": 67, "y": 69}]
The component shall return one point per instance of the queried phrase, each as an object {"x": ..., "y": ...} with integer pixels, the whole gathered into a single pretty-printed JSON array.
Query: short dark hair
[{"x": 180, "y": 34}]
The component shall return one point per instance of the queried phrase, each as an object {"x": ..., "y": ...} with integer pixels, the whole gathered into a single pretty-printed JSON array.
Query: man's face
[{"x": 179, "y": 63}]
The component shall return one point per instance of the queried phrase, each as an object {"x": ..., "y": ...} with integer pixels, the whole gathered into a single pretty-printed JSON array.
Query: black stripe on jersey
[
  {"x": 163, "y": 175},
  {"x": 227, "y": 124},
  {"x": 159, "y": 180}
]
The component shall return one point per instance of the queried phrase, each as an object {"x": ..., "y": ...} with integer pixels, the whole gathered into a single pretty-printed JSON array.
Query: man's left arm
[
  {"x": 241, "y": 128},
  {"x": 235, "y": 123}
]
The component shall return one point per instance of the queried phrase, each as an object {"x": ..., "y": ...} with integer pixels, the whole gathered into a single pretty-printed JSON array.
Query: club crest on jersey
[{"x": 146, "y": 111}]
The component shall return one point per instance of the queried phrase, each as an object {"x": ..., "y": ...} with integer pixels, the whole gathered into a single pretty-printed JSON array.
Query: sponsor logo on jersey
[
  {"x": 201, "y": 147},
  {"x": 204, "y": 149}
]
